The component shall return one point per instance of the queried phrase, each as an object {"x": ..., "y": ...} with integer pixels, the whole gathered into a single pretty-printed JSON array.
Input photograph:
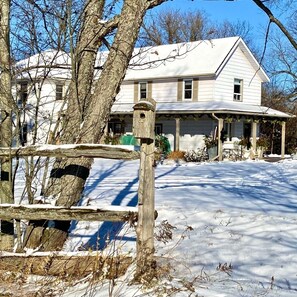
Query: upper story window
[
  {"x": 238, "y": 83},
  {"x": 143, "y": 90},
  {"x": 59, "y": 91},
  {"x": 188, "y": 89}
]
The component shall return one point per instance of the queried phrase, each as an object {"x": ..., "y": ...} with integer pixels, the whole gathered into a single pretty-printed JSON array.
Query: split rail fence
[{"x": 143, "y": 129}]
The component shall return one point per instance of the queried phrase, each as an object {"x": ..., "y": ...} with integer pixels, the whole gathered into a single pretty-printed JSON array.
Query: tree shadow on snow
[{"x": 109, "y": 231}]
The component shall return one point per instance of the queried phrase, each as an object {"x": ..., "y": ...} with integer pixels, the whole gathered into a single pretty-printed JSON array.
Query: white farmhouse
[{"x": 200, "y": 88}]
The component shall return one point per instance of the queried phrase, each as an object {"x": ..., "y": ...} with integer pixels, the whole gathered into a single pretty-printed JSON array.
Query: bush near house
[
  {"x": 210, "y": 141},
  {"x": 162, "y": 144},
  {"x": 263, "y": 142},
  {"x": 199, "y": 155}
]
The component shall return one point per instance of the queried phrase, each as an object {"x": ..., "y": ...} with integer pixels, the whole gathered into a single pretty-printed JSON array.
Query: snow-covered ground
[{"x": 234, "y": 226}]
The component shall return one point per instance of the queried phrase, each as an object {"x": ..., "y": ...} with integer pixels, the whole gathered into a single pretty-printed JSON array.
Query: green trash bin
[{"x": 128, "y": 139}]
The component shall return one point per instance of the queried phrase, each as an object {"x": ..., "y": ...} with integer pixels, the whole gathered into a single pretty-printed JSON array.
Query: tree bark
[
  {"x": 98, "y": 107},
  {"x": 7, "y": 230},
  {"x": 83, "y": 62}
]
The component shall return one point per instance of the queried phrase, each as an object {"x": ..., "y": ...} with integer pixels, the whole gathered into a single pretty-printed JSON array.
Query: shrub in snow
[
  {"x": 195, "y": 156},
  {"x": 162, "y": 144}
]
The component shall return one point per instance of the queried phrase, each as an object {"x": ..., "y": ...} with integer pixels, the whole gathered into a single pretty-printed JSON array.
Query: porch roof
[{"x": 190, "y": 108}]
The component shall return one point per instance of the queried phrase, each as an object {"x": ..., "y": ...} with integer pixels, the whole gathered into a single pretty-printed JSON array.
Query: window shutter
[
  {"x": 180, "y": 89},
  {"x": 135, "y": 92},
  {"x": 150, "y": 89},
  {"x": 195, "y": 89}
]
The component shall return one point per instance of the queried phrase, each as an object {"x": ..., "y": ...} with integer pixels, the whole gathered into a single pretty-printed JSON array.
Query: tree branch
[{"x": 273, "y": 19}]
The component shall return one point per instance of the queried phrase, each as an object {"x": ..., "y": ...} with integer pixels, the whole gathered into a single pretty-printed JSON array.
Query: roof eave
[{"x": 215, "y": 111}]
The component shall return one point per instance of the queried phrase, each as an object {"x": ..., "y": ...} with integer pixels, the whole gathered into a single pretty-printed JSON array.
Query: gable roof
[
  {"x": 50, "y": 63},
  {"x": 190, "y": 59},
  {"x": 199, "y": 58}
]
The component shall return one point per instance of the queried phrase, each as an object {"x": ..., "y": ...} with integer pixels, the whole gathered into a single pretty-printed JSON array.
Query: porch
[{"x": 185, "y": 124}]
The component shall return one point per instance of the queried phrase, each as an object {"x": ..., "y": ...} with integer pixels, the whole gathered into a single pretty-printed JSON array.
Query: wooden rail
[
  {"x": 71, "y": 151},
  {"x": 143, "y": 129},
  {"x": 43, "y": 211}
]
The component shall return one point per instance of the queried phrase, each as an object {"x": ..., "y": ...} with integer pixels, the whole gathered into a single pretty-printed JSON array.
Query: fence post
[{"x": 144, "y": 129}]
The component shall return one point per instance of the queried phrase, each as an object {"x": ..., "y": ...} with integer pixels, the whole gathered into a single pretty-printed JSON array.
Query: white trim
[
  {"x": 238, "y": 96},
  {"x": 63, "y": 91}
]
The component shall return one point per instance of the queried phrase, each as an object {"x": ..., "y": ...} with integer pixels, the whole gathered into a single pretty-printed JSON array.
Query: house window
[
  {"x": 59, "y": 91},
  {"x": 237, "y": 89},
  {"x": 23, "y": 95},
  {"x": 158, "y": 129},
  {"x": 115, "y": 127},
  {"x": 188, "y": 89},
  {"x": 143, "y": 90}
]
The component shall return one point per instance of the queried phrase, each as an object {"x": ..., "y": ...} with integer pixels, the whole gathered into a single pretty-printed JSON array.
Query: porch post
[
  {"x": 283, "y": 140},
  {"x": 254, "y": 137},
  {"x": 220, "y": 144},
  {"x": 177, "y": 133}
]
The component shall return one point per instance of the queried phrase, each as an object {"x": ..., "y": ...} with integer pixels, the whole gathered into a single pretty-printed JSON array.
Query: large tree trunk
[
  {"x": 74, "y": 172},
  {"x": 7, "y": 231},
  {"x": 83, "y": 62}
]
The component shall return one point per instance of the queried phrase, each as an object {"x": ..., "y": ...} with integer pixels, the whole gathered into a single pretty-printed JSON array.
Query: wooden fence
[{"x": 143, "y": 129}]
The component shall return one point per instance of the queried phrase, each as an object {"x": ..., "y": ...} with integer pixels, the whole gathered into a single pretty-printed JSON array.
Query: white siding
[
  {"x": 126, "y": 94},
  {"x": 238, "y": 67},
  {"x": 206, "y": 89},
  {"x": 48, "y": 103},
  {"x": 48, "y": 108},
  {"x": 164, "y": 90},
  {"x": 219, "y": 89}
]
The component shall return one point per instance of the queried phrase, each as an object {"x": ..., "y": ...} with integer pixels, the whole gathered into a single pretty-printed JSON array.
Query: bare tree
[
  {"x": 93, "y": 111},
  {"x": 228, "y": 29},
  {"x": 169, "y": 27},
  {"x": 6, "y": 235},
  {"x": 82, "y": 32},
  {"x": 175, "y": 26},
  {"x": 276, "y": 97},
  {"x": 283, "y": 66},
  {"x": 275, "y": 20}
]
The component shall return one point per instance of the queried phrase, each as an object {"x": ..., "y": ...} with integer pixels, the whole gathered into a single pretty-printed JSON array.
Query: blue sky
[{"x": 220, "y": 10}]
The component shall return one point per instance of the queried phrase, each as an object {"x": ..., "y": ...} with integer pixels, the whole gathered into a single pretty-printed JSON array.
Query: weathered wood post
[
  {"x": 220, "y": 143},
  {"x": 144, "y": 129},
  {"x": 283, "y": 139},
  {"x": 254, "y": 138}
]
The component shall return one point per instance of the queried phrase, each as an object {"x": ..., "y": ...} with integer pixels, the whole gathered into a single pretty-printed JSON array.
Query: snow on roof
[
  {"x": 50, "y": 63},
  {"x": 199, "y": 58},
  {"x": 205, "y": 107}
]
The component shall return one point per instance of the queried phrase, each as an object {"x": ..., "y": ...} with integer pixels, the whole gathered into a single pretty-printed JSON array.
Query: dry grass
[
  {"x": 52, "y": 273},
  {"x": 74, "y": 266},
  {"x": 176, "y": 155}
]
